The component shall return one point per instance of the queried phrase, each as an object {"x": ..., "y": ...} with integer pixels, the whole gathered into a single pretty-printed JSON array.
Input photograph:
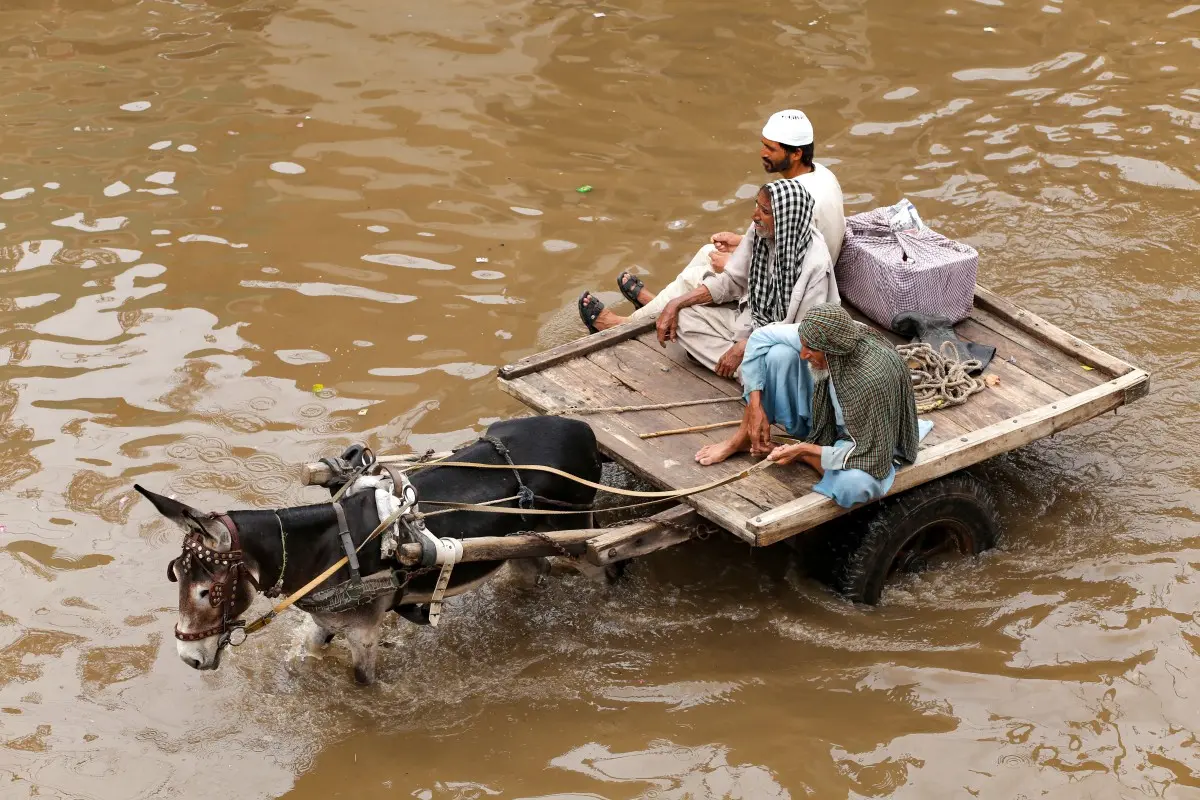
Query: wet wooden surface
[{"x": 632, "y": 369}]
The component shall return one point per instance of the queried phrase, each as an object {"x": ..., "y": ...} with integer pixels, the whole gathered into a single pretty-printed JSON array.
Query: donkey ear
[{"x": 189, "y": 518}]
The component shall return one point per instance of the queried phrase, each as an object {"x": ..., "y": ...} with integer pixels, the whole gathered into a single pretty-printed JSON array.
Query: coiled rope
[{"x": 940, "y": 380}]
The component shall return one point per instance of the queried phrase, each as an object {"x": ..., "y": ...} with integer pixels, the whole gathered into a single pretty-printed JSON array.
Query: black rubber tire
[{"x": 958, "y": 511}]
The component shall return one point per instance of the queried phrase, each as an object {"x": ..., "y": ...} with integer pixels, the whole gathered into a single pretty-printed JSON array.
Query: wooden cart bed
[{"x": 1049, "y": 380}]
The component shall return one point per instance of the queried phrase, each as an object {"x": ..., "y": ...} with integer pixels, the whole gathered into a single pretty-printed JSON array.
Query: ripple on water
[
  {"x": 410, "y": 262},
  {"x": 465, "y": 369},
  {"x": 301, "y": 356},
  {"x": 318, "y": 289},
  {"x": 287, "y": 168}
]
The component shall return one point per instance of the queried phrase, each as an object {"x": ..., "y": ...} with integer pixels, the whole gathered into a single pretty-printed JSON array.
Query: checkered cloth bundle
[{"x": 883, "y": 272}]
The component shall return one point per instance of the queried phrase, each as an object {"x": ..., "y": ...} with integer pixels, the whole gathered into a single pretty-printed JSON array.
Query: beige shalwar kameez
[{"x": 708, "y": 331}]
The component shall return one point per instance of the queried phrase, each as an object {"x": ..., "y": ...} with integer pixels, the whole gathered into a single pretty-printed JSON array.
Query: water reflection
[{"x": 229, "y": 230}]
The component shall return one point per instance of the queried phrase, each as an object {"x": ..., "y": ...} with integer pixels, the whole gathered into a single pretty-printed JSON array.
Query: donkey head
[{"x": 215, "y": 584}]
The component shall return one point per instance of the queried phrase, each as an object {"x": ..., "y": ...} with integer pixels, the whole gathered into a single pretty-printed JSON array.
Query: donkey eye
[{"x": 203, "y": 593}]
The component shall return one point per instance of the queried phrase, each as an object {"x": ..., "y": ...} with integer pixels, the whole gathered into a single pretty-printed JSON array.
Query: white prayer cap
[{"x": 789, "y": 127}]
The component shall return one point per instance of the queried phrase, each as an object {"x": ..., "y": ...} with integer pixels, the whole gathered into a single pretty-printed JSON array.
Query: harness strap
[
  {"x": 449, "y": 553},
  {"x": 348, "y": 545}
]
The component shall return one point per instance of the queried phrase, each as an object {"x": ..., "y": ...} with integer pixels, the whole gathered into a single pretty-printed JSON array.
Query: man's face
[
  {"x": 764, "y": 218},
  {"x": 814, "y": 357},
  {"x": 774, "y": 157}
]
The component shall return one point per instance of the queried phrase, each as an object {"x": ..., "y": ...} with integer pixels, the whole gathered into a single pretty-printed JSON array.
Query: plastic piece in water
[
  {"x": 318, "y": 387},
  {"x": 584, "y": 189}
]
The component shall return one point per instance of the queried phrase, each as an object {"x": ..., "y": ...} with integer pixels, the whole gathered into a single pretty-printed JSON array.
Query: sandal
[
  {"x": 631, "y": 286},
  {"x": 590, "y": 310}
]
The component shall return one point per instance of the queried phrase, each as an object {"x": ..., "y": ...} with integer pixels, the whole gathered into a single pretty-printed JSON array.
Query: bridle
[{"x": 228, "y": 569}]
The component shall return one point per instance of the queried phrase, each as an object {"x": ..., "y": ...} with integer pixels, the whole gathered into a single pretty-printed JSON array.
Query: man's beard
[
  {"x": 772, "y": 167},
  {"x": 819, "y": 375}
]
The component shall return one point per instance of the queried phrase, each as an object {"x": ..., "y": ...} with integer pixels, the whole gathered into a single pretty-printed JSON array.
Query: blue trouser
[{"x": 773, "y": 367}]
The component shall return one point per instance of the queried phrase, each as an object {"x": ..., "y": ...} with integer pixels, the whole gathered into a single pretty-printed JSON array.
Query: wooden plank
[
  {"x": 671, "y": 527},
  {"x": 316, "y": 473},
  {"x": 799, "y": 481},
  {"x": 636, "y": 364},
  {"x": 1043, "y": 331},
  {"x": 574, "y": 349},
  {"x": 1028, "y": 354},
  {"x": 813, "y": 509},
  {"x": 649, "y": 371},
  {"x": 614, "y": 436},
  {"x": 675, "y": 353}
]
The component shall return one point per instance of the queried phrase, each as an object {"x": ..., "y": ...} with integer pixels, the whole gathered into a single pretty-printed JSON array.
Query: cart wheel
[{"x": 912, "y": 531}]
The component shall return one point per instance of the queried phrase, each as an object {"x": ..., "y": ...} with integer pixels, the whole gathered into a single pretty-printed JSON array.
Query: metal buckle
[{"x": 237, "y": 626}]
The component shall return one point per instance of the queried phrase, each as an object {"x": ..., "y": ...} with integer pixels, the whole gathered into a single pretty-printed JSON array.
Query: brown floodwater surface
[{"x": 239, "y": 234}]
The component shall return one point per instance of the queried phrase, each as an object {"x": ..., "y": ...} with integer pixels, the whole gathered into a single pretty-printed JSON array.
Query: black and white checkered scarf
[{"x": 771, "y": 284}]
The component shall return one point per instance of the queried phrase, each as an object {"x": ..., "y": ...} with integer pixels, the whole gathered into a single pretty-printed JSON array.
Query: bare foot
[{"x": 716, "y": 453}]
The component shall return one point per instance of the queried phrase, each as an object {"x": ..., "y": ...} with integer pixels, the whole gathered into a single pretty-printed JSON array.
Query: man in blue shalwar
[{"x": 852, "y": 404}]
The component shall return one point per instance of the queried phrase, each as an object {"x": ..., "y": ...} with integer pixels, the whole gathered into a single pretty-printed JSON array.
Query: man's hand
[
  {"x": 668, "y": 323},
  {"x": 732, "y": 359},
  {"x": 787, "y": 453},
  {"x": 726, "y": 242},
  {"x": 759, "y": 426},
  {"x": 718, "y": 260}
]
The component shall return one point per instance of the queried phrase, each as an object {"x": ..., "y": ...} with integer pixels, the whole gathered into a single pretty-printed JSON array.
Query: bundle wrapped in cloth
[{"x": 892, "y": 264}]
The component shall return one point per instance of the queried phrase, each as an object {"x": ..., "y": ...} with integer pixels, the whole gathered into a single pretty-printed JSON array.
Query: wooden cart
[{"x": 1049, "y": 380}]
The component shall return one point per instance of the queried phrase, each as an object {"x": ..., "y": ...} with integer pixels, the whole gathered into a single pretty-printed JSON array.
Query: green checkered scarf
[{"x": 873, "y": 387}]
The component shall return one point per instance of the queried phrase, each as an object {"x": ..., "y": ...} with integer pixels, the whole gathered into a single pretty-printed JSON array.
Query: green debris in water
[{"x": 584, "y": 189}]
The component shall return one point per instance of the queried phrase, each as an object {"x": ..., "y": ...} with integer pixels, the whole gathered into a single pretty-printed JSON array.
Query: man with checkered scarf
[{"x": 780, "y": 269}]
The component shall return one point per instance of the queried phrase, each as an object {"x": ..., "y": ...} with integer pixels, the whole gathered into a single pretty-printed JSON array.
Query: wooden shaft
[
  {"x": 501, "y": 548},
  {"x": 614, "y": 544},
  {"x": 316, "y": 473},
  {"x": 693, "y": 429}
]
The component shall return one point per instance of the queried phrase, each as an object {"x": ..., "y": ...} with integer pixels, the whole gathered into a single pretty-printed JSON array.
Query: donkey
[{"x": 228, "y": 557}]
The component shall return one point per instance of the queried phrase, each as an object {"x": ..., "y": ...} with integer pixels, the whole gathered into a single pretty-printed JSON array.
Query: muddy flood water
[{"x": 236, "y": 235}]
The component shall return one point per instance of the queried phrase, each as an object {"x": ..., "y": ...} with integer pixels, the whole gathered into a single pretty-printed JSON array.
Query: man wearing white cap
[{"x": 787, "y": 151}]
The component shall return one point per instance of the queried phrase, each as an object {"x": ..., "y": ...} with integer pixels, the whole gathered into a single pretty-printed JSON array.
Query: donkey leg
[
  {"x": 316, "y": 639},
  {"x": 362, "y": 635},
  {"x": 529, "y": 572}
]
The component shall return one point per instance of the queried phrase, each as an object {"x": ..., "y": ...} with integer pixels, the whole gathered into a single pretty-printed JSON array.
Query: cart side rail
[{"x": 813, "y": 509}]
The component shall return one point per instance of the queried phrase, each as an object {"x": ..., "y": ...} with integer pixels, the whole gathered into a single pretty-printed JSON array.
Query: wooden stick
[
  {"x": 704, "y": 401},
  {"x": 693, "y": 429},
  {"x": 575, "y": 349}
]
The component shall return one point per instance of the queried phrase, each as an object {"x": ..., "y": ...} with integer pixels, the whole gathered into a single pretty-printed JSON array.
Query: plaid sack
[{"x": 885, "y": 272}]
